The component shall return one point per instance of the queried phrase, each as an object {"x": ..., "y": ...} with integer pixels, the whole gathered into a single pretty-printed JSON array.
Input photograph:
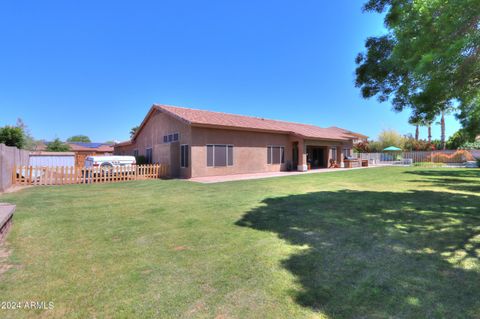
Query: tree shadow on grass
[
  {"x": 369, "y": 254},
  {"x": 442, "y": 172},
  {"x": 458, "y": 180},
  {"x": 457, "y": 184}
]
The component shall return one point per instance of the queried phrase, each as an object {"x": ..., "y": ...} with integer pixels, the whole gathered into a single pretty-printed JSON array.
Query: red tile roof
[
  {"x": 223, "y": 120},
  {"x": 104, "y": 148}
]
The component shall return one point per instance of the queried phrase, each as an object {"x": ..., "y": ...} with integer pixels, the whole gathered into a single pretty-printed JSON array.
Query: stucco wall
[
  {"x": 249, "y": 151},
  {"x": 151, "y": 136},
  {"x": 249, "y": 148}
]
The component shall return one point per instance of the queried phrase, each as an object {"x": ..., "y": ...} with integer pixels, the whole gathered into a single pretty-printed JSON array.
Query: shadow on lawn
[
  {"x": 380, "y": 254},
  {"x": 442, "y": 172},
  {"x": 451, "y": 179}
]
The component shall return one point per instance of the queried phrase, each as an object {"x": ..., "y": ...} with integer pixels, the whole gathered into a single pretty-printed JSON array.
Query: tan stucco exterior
[{"x": 249, "y": 147}]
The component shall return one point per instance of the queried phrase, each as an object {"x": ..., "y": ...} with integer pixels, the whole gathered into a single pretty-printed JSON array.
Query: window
[
  {"x": 275, "y": 154},
  {"x": 135, "y": 153},
  {"x": 148, "y": 155},
  {"x": 183, "y": 155},
  {"x": 333, "y": 156},
  {"x": 171, "y": 138},
  {"x": 219, "y": 155},
  {"x": 346, "y": 152}
]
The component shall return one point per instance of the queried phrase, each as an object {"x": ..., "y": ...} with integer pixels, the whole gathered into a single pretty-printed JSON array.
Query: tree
[
  {"x": 443, "y": 111},
  {"x": 57, "y": 146},
  {"x": 417, "y": 121},
  {"x": 79, "y": 138},
  {"x": 429, "y": 57},
  {"x": 388, "y": 138},
  {"x": 29, "y": 140},
  {"x": 458, "y": 139},
  {"x": 12, "y": 136},
  {"x": 133, "y": 130}
]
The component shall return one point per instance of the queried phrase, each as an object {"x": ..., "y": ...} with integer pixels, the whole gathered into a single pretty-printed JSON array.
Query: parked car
[{"x": 107, "y": 163}]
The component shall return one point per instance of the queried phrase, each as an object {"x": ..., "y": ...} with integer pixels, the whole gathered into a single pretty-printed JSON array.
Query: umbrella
[{"x": 392, "y": 148}]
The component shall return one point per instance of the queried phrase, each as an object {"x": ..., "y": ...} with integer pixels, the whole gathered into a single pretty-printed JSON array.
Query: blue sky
[{"x": 96, "y": 67}]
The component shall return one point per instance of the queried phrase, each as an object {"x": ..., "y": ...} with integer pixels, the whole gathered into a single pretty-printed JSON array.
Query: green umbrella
[{"x": 392, "y": 148}]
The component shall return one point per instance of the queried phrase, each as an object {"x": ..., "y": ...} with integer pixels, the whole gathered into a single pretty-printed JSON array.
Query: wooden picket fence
[{"x": 62, "y": 175}]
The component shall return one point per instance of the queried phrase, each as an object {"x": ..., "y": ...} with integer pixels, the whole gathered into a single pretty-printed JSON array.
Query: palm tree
[
  {"x": 133, "y": 130},
  {"x": 444, "y": 110},
  {"x": 429, "y": 125},
  {"x": 416, "y": 121},
  {"x": 442, "y": 125}
]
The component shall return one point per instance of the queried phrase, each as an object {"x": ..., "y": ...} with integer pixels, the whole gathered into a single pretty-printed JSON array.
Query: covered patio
[{"x": 318, "y": 154}]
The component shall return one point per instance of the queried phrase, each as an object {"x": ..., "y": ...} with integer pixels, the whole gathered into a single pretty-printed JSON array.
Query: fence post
[{"x": 14, "y": 175}]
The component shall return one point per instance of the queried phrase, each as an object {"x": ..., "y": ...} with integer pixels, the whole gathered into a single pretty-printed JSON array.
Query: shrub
[
  {"x": 141, "y": 160},
  {"x": 459, "y": 156},
  {"x": 362, "y": 147},
  {"x": 428, "y": 164},
  {"x": 470, "y": 146},
  {"x": 421, "y": 145}
]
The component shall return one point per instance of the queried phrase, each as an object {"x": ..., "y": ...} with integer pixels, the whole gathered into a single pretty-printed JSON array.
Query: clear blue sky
[{"x": 96, "y": 67}]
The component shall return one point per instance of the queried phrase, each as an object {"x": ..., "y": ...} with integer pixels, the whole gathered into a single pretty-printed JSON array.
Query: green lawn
[{"x": 376, "y": 243}]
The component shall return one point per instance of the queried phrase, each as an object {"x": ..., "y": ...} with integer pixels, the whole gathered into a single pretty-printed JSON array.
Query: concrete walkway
[
  {"x": 243, "y": 177},
  {"x": 6, "y": 215}
]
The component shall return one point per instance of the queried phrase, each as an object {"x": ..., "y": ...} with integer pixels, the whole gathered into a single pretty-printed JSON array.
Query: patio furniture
[
  {"x": 333, "y": 164},
  {"x": 352, "y": 163}
]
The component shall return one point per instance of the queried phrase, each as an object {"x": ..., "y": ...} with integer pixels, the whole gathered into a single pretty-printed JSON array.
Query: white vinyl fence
[{"x": 434, "y": 158}]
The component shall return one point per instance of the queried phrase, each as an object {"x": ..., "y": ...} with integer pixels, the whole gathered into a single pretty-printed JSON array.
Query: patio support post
[
  {"x": 340, "y": 155},
  {"x": 302, "y": 156},
  {"x": 328, "y": 156}
]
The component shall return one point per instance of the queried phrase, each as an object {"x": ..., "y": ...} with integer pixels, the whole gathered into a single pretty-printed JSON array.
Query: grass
[
  {"x": 429, "y": 164},
  {"x": 376, "y": 243}
]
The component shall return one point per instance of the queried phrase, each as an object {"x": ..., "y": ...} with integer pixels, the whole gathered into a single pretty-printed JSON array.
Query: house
[
  {"x": 82, "y": 150},
  {"x": 197, "y": 143}
]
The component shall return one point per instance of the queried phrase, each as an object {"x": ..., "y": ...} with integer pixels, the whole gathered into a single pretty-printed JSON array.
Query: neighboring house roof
[
  {"x": 124, "y": 143},
  {"x": 204, "y": 118},
  {"x": 39, "y": 146},
  {"x": 90, "y": 147}
]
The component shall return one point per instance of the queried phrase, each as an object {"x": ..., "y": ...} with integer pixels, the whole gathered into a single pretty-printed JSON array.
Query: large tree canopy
[
  {"x": 429, "y": 60},
  {"x": 79, "y": 138},
  {"x": 57, "y": 146},
  {"x": 12, "y": 136}
]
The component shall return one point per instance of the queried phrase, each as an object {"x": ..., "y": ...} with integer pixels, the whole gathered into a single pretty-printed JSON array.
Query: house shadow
[{"x": 364, "y": 254}]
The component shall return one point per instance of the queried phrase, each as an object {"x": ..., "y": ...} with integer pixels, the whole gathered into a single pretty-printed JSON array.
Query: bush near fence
[{"x": 460, "y": 156}]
